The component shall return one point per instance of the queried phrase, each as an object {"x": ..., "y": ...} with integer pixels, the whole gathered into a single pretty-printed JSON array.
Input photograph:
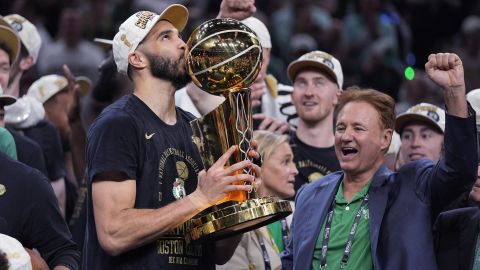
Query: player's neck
[
  {"x": 159, "y": 96},
  {"x": 319, "y": 135}
]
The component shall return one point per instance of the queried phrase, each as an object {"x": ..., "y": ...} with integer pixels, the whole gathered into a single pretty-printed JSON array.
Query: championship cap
[
  {"x": 85, "y": 84},
  {"x": 11, "y": 39},
  {"x": 423, "y": 112},
  {"x": 17, "y": 256},
  {"x": 27, "y": 32},
  {"x": 136, "y": 28},
  {"x": 474, "y": 98},
  {"x": 6, "y": 99},
  {"x": 260, "y": 30},
  {"x": 320, "y": 60},
  {"x": 46, "y": 87},
  {"x": 24, "y": 113}
]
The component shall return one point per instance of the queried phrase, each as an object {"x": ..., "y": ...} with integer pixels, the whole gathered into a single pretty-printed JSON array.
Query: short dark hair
[
  {"x": 7, "y": 49},
  {"x": 381, "y": 102}
]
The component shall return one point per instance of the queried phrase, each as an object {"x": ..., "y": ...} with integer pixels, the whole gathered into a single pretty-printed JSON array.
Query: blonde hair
[{"x": 268, "y": 142}]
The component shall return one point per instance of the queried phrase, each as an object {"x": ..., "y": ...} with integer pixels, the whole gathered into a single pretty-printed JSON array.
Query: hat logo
[
  {"x": 16, "y": 25},
  {"x": 328, "y": 63},
  {"x": 433, "y": 115},
  {"x": 143, "y": 18},
  {"x": 123, "y": 38},
  {"x": 2, "y": 189},
  {"x": 41, "y": 91}
]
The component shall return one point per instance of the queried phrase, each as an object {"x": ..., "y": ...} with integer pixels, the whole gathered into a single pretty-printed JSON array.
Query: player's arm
[{"x": 120, "y": 227}]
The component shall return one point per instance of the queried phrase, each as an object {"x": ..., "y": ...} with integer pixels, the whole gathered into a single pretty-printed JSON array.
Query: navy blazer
[
  {"x": 456, "y": 234},
  {"x": 402, "y": 205}
]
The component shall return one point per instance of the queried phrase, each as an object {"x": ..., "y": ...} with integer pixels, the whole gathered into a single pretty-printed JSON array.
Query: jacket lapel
[
  {"x": 318, "y": 208},
  {"x": 377, "y": 204}
]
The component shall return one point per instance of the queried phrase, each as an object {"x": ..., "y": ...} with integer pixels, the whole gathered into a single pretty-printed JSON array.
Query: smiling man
[
  {"x": 317, "y": 84},
  {"x": 367, "y": 217},
  {"x": 421, "y": 130}
]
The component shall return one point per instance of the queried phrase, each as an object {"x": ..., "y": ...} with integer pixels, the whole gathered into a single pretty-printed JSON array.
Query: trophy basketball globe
[{"x": 224, "y": 57}]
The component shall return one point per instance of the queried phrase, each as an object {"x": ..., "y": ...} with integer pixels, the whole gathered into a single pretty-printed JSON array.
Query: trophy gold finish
[{"x": 224, "y": 57}]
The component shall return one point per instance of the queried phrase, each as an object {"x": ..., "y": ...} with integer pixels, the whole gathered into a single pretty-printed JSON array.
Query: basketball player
[
  {"x": 141, "y": 160},
  {"x": 317, "y": 84}
]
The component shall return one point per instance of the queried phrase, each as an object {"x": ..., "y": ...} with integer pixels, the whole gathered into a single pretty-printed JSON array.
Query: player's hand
[
  {"x": 38, "y": 263},
  {"x": 237, "y": 9},
  {"x": 73, "y": 108},
  {"x": 257, "y": 91},
  {"x": 218, "y": 181},
  {"x": 272, "y": 124}
]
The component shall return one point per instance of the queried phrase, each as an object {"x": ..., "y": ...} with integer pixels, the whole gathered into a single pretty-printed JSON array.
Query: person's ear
[
  {"x": 137, "y": 59},
  {"x": 386, "y": 139},
  {"x": 26, "y": 63}
]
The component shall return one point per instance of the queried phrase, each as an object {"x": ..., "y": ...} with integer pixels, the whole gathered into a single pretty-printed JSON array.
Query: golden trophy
[{"x": 224, "y": 57}]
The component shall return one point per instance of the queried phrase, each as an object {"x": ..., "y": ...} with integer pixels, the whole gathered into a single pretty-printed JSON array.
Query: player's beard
[{"x": 168, "y": 69}]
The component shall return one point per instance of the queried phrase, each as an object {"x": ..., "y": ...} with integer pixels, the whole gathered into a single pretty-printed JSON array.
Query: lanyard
[
  {"x": 351, "y": 235},
  {"x": 285, "y": 232},
  {"x": 266, "y": 258}
]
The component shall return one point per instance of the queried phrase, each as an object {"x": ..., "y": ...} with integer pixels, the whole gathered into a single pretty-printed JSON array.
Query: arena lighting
[{"x": 409, "y": 73}]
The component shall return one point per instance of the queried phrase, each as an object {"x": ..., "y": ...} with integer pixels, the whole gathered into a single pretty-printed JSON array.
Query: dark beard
[{"x": 169, "y": 70}]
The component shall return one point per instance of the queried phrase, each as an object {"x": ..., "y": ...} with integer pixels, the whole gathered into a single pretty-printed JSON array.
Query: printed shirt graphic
[
  {"x": 163, "y": 160},
  {"x": 312, "y": 163}
]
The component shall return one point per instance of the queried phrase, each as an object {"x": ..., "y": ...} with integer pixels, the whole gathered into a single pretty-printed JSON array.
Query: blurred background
[{"x": 380, "y": 43}]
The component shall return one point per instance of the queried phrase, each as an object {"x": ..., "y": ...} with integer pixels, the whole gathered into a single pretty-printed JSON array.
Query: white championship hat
[
  {"x": 260, "y": 30},
  {"x": 136, "y": 28},
  {"x": 318, "y": 60},
  {"x": 46, "y": 87},
  {"x": 423, "y": 112},
  {"x": 24, "y": 113},
  {"x": 27, "y": 32},
  {"x": 6, "y": 99},
  {"x": 11, "y": 40},
  {"x": 17, "y": 256},
  {"x": 474, "y": 98}
]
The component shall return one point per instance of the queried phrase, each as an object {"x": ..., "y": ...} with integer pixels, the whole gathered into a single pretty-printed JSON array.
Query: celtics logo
[
  {"x": 315, "y": 176},
  {"x": 178, "y": 189}
]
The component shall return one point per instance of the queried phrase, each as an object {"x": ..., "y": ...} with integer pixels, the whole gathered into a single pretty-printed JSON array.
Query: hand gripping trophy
[{"x": 224, "y": 57}]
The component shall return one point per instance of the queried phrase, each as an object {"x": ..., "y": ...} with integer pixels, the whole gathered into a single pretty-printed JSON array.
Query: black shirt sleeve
[
  {"x": 112, "y": 145},
  {"x": 34, "y": 216}
]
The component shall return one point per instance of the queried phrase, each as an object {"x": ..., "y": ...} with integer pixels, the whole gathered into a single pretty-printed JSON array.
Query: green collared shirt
[{"x": 343, "y": 218}]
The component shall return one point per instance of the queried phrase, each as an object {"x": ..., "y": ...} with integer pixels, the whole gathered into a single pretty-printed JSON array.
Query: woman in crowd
[{"x": 260, "y": 249}]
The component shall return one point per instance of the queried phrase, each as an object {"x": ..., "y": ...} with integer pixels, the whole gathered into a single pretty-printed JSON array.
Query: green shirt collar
[{"x": 340, "y": 199}]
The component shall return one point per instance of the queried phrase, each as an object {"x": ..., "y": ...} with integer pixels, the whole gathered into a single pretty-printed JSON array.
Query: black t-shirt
[
  {"x": 128, "y": 137},
  {"x": 29, "y": 212},
  {"x": 312, "y": 163},
  {"x": 28, "y": 151},
  {"x": 48, "y": 137}
]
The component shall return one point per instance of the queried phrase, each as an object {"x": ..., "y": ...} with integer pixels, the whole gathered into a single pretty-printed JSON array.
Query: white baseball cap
[
  {"x": 46, "y": 87},
  {"x": 17, "y": 256},
  {"x": 136, "y": 28},
  {"x": 11, "y": 39},
  {"x": 318, "y": 60},
  {"x": 24, "y": 113},
  {"x": 27, "y": 32},
  {"x": 423, "y": 112},
  {"x": 260, "y": 30},
  {"x": 6, "y": 99},
  {"x": 474, "y": 98}
]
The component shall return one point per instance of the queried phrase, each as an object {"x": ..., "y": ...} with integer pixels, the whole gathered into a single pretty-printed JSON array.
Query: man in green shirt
[{"x": 367, "y": 217}]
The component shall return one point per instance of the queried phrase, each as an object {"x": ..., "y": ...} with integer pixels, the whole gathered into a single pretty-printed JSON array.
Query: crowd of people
[{"x": 99, "y": 170}]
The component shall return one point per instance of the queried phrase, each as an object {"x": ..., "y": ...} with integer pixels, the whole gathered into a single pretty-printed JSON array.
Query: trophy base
[{"x": 231, "y": 218}]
